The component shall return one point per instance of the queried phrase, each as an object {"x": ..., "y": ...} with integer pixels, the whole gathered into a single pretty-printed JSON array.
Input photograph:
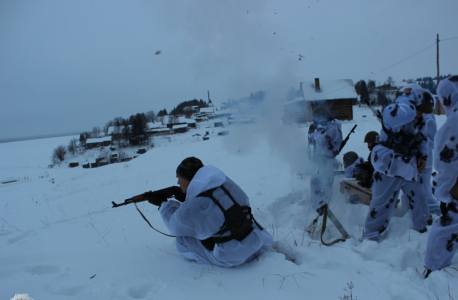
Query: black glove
[
  {"x": 157, "y": 200},
  {"x": 178, "y": 194}
]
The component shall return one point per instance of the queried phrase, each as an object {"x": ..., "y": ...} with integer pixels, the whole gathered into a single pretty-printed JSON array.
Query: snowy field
[{"x": 61, "y": 239}]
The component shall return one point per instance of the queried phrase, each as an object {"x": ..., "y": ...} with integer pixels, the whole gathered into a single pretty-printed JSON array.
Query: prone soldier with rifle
[{"x": 212, "y": 219}]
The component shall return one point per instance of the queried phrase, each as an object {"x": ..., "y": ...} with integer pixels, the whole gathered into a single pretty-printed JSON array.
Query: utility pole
[{"x": 437, "y": 60}]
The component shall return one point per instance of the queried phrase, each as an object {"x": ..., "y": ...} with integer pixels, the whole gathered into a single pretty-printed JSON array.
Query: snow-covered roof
[
  {"x": 163, "y": 129},
  {"x": 115, "y": 129},
  {"x": 112, "y": 130},
  {"x": 207, "y": 110},
  {"x": 98, "y": 140},
  {"x": 179, "y": 126},
  {"x": 186, "y": 120},
  {"x": 153, "y": 125},
  {"x": 329, "y": 90}
]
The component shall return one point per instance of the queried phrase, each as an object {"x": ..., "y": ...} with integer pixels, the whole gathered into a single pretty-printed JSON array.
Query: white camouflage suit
[
  {"x": 327, "y": 140},
  {"x": 394, "y": 171},
  {"x": 199, "y": 218},
  {"x": 429, "y": 122},
  {"x": 431, "y": 129},
  {"x": 443, "y": 238}
]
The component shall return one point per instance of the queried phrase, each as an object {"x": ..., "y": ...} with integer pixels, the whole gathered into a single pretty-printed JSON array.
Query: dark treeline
[
  {"x": 132, "y": 130},
  {"x": 430, "y": 82},
  {"x": 179, "y": 110},
  {"x": 385, "y": 93}
]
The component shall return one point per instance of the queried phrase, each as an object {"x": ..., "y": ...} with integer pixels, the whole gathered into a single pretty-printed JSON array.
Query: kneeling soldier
[{"x": 214, "y": 225}]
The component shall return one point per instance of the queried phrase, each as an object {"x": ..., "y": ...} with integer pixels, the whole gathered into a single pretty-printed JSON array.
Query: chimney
[{"x": 317, "y": 84}]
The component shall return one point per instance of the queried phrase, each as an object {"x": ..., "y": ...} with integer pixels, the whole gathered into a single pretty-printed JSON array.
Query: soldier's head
[
  {"x": 186, "y": 171},
  {"x": 424, "y": 100},
  {"x": 321, "y": 115},
  {"x": 372, "y": 139},
  {"x": 349, "y": 158},
  {"x": 447, "y": 90}
]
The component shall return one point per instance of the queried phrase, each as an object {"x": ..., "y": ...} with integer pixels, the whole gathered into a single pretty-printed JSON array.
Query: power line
[
  {"x": 401, "y": 61},
  {"x": 453, "y": 38},
  {"x": 396, "y": 63}
]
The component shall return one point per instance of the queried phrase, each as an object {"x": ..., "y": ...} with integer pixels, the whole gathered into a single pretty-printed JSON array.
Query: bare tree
[
  {"x": 119, "y": 120},
  {"x": 151, "y": 116},
  {"x": 58, "y": 154},
  {"x": 72, "y": 146},
  {"x": 389, "y": 80},
  {"x": 126, "y": 134},
  {"x": 96, "y": 131},
  {"x": 370, "y": 84}
]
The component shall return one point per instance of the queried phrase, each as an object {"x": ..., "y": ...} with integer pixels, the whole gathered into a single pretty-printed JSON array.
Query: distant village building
[
  {"x": 99, "y": 142},
  {"x": 225, "y": 112},
  {"x": 390, "y": 91},
  {"x": 336, "y": 95},
  {"x": 190, "y": 122},
  {"x": 160, "y": 131},
  {"x": 200, "y": 118},
  {"x": 188, "y": 111},
  {"x": 208, "y": 112},
  {"x": 156, "y": 128},
  {"x": 181, "y": 128},
  {"x": 115, "y": 132}
]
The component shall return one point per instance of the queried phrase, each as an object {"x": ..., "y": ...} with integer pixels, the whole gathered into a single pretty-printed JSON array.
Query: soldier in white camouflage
[
  {"x": 398, "y": 160},
  {"x": 443, "y": 239}
]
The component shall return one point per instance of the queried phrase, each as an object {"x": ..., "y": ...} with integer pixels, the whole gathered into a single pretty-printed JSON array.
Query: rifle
[
  {"x": 376, "y": 113},
  {"x": 172, "y": 191},
  {"x": 346, "y": 139}
]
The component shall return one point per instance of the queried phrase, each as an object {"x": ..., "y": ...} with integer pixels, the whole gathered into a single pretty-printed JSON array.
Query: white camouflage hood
[{"x": 447, "y": 91}]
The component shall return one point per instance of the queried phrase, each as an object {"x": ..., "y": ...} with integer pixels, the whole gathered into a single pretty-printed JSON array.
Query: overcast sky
[{"x": 67, "y": 66}]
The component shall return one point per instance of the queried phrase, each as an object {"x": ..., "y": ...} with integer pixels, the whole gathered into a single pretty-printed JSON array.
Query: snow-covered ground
[{"x": 61, "y": 239}]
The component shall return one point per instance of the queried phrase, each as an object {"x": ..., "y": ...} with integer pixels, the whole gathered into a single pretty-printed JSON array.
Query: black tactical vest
[{"x": 238, "y": 220}]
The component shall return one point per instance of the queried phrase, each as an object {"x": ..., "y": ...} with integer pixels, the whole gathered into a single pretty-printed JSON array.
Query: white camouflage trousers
[
  {"x": 432, "y": 202},
  {"x": 322, "y": 182},
  {"x": 384, "y": 192},
  {"x": 442, "y": 243}
]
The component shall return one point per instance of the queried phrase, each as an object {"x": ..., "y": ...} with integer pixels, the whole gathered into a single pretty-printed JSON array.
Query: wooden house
[
  {"x": 98, "y": 142},
  {"x": 336, "y": 95},
  {"x": 181, "y": 128}
]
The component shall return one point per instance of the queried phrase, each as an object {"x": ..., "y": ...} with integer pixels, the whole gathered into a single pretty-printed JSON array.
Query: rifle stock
[{"x": 172, "y": 191}]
